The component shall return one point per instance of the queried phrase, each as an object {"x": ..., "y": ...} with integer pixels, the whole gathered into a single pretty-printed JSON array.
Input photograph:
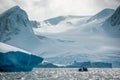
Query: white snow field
[
  {"x": 79, "y": 38},
  {"x": 64, "y": 74}
]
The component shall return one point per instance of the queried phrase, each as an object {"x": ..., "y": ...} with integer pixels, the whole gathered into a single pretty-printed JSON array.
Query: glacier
[
  {"x": 13, "y": 59},
  {"x": 18, "y": 61},
  {"x": 82, "y": 39}
]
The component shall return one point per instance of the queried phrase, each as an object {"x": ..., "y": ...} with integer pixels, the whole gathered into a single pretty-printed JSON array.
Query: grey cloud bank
[{"x": 43, "y": 9}]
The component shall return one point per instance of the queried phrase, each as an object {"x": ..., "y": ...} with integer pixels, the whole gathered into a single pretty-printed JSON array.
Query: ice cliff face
[
  {"x": 18, "y": 61},
  {"x": 15, "y": 59}
]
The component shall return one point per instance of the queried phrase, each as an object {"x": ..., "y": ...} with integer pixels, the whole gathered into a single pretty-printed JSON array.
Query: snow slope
[
  {"x": 60, "y": 24},
  {"x": 15, "y": 59},
  {"x": 80, "y": 40}
]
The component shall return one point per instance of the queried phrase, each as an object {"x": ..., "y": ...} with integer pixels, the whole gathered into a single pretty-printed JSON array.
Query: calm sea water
[{"x": 64, "y": 74}]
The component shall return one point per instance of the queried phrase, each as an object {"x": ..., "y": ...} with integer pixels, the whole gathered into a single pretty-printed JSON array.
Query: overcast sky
[{"x": 43, "y": 9}]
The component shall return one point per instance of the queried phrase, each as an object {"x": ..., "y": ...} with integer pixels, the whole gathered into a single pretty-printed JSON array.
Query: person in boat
[{"x": 83, "y": 69}]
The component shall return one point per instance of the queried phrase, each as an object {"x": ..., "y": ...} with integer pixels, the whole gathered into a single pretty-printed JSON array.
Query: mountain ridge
[
  {"x": 16, "y": 30},
  {"x": 112, "y": 24},
  {"x": 102, "y": 14}
]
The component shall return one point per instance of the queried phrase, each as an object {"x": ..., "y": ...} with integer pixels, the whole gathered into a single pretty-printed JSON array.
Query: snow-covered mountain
[
  {"x": 62, "y": 39},
  {"x": 60, "y": 24},
  {"x": 112, "y": 24},
  {"x": 102, "y": 14},
  {"x": 16, "y": 30},
  {"x": 115, "y": 18},
  {"x": 15, "y": 59},
  {"x": 65, "y": 23},
  {"x": 12, "y": 22},
  {"x": 58, "y": 19},
  {"x": 82, "y": 39},
  {"x": 55, "y": 20}
]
